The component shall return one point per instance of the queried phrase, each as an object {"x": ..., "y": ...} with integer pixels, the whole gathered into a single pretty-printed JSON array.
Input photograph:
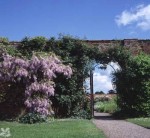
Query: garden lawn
[
  {"x": 55, "y": 129},
  {"x": 145, "y": 122}
]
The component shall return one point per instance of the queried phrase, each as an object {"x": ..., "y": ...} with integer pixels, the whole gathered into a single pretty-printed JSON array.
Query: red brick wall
[{"x": 134, "y": 45}]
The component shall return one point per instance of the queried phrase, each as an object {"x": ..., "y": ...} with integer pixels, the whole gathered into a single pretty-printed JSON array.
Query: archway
[
  {"x": 100, "y": 80},
  {"x": 117, "y": 54}
]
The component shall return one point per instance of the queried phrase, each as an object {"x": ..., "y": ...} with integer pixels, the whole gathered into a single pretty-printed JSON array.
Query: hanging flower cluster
[{"x": 37, "y": 74}]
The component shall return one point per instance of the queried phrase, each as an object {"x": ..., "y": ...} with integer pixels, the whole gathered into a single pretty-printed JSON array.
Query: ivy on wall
[{"x": 70, "y": 97}]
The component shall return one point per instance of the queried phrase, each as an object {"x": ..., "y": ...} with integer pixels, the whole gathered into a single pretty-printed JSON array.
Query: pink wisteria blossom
[{"x": 37, "y": 75}]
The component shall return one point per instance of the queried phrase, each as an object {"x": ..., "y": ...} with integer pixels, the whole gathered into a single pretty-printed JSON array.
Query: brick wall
[{"x": 134, "y": 45}]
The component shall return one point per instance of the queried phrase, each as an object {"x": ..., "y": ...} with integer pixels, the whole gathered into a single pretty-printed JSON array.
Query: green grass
[
  {"x": 55, "y": 129},
  {"x": 106, "y": 106},
  {"x": 145, "y": 122}
]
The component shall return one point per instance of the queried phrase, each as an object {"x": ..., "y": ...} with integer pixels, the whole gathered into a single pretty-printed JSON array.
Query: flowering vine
[{"x": 37, "y": 75}]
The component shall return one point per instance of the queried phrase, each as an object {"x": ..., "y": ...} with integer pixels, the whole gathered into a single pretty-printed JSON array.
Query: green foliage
[
  {"x": 99, "y": 92},
  {"x": 111, "y": 92},
  {"x": 69, "y": 93},
  {"x": 4, "y": 41},
  {"x": 118, "y": 54},
  {"x": 132, "y": 80},
  {"x": 106, "y": 106},
  {"x": 32, "y": 118},
  {"x": 5, "y": 47},
  {"x": 133, "y": 86},
  {"x": 101, "y": 99},
  {"x": 30, "y": 45},
  {"x": 82, "y": 112}
]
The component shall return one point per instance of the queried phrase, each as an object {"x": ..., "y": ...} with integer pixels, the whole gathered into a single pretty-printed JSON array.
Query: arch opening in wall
[{"x": 102, "y": 78}]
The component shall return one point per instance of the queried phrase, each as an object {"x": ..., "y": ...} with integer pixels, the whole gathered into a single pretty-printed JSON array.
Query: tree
[
  {"x": 111, "y": 92},
  {"x": 99, "y": 92}
]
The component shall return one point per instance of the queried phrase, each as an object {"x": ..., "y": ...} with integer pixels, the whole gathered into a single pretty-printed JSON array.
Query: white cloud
[
  {"x": 102, "y": 82},
  {"x": 102, "y": 79},
  {"x": 99, "y": 77},
  {"x": 140, "y": 16}
]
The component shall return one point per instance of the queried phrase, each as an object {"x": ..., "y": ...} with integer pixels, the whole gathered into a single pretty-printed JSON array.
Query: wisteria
[{"x": 37, "y": 75}]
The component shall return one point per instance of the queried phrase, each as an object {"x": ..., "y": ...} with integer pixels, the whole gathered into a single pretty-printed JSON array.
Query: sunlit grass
[
  {"x": 55, "y": 129},
  {"x": 145, "y": 122}
]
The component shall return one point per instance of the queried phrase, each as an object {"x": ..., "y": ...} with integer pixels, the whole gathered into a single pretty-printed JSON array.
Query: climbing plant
[
  {"x": 133, "y": 86},
  {"x": 70, "y": 95},
  {"x": 132, "y": 80},
  {"x": 36, "y": 75},
  {"x": 70, "y": 98}
]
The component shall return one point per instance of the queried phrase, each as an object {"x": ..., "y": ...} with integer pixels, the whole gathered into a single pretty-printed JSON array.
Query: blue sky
[{"x": 90, "y": 19}]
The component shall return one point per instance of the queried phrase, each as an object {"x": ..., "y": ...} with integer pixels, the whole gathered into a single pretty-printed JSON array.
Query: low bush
[
  {"x": 101, "y": 99},
  {"x": 106, "y": 106},
  {"x": 32, "y": 118},
  {"x": 82, "y": 112}
]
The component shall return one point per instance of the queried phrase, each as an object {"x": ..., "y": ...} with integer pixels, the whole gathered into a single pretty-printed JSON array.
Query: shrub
[
  {"x": 101, "y": 99},
  {"x": 99, "y": 107},
  {"x": 82, "y": 111},
  {"x": 4, "y": 40},
  {"x": 30, "y": 45},
  {"x": 69, "y": 92},
  {"x": 110, "y": 107},
  {"x": 80, "y": 114},
  {"x": 37, "y": 77},
  {"x": 32, "y": 118},
  {"x": 106, "y": 106},
  {"x": 99, "y": 92},
  {"x": 133, "y": 86}
]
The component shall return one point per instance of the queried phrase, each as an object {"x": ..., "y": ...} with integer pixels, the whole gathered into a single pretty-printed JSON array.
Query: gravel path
[{"x": 119, "y": 128}]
